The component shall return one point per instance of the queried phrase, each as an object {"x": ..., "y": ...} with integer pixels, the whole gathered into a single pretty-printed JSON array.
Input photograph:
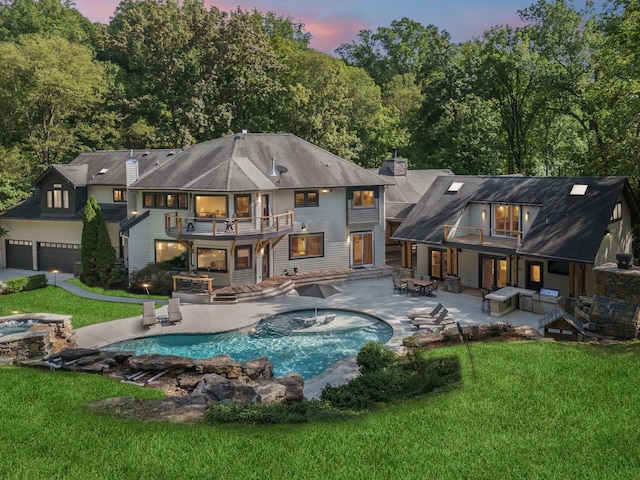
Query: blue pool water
[
  {"x": 15, "y": 326},
  {"x": 289, "y": 340}
]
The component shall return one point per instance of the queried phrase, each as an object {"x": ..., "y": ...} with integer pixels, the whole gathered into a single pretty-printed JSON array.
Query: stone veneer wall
[
  {"x": 52, "y": 334},
  {"x": 615, "y": 308}
]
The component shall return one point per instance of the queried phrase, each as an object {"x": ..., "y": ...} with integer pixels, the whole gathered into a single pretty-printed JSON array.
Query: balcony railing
[
  {"x": 179, "y": 225},
  {"x": 490, "y": 237}
]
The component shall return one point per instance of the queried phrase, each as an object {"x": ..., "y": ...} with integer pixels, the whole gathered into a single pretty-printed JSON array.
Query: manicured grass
[
  {"x": 56, "y": 300},
  {"x": 535, "y": 410},
  {"x": 113, "y": 293}
]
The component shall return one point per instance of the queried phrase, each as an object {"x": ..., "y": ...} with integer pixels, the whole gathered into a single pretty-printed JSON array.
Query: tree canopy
[{"x": 556, "y": 95}]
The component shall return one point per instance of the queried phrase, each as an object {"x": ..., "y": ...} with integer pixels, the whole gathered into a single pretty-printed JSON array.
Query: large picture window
[
  {"x": 212, "y": 259},
  {"x": 506, "y": 220},
  {"x": 306, "y": 245},
  {"x": 243, "y": 258},
  {"x": 364, "y": 198},
  {"x": 211, "y": 206},
  {"x": 170, "y": 251},
  {"x": 308, "y": 198}
]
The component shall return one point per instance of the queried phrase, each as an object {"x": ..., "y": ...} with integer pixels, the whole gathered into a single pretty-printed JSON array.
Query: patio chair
[
  {"x": 175, "y": 316},
  {"x": 433, "y": 288},
  {"x": 411, "y": 287},
  {"x": 398, "y": 285},
  {"x": 411, "y": 314},
  {"x": 148, "y": 314}
]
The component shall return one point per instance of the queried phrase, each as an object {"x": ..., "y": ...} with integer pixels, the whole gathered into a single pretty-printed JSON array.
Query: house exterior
[
  {"x": 238, "y": 209},
  {"x": 529, "y": 232},
  {"x": 45, "y": 229}
]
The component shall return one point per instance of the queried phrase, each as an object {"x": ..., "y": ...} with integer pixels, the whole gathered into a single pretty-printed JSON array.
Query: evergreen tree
[
  {"x": 89, "y": 242},
  {"x": 105, "y": 257}
]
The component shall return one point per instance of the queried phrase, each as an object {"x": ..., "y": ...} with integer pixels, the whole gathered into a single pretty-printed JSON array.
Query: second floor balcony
[
  {"x": 487, "y": 237},
  {"x": 230, "y": 228}
]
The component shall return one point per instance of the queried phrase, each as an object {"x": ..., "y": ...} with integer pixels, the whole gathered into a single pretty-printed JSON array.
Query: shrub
[
  {"x": 36, "y": 281},
  {"x": 16, "y": 285},
  {"x": 156, "y": 276},
  {"x": 374, "y": 356},
  {"x": 21, "y": 284}
]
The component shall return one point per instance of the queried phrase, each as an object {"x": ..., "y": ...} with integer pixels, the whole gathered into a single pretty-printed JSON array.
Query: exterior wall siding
[
  {"x": 619, "y": 239},
  {"x": 329, "y": 217}
]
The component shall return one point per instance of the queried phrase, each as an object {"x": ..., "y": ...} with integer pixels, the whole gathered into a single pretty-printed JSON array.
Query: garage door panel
[
  {"x": 19, "y": 254},
  {"x": 58, "y": 256}
]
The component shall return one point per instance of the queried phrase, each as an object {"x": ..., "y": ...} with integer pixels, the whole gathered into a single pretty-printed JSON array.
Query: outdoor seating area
[{"x": 416, "y": 286}]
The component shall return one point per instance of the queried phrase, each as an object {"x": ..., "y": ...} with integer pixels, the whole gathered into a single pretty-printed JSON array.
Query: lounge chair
[
  {"x": 438, "y": 323},
  {"x": 411, "y": 314},
  {"x": 175, "y": 316},
  {"x": 148, "y": 314}
]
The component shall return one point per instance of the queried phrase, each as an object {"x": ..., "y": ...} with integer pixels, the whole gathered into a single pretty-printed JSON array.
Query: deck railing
[
  {"x": 481, "y": 236},
  {"x": 179, "y": 224}
]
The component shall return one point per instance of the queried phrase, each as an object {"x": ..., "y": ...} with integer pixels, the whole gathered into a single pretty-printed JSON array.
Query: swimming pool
[{"x": 292, "y": 343}]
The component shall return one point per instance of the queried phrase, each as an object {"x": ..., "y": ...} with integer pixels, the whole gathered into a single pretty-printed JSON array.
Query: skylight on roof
[
  {"x": 578, "y": 189},
  {"x": 103, "y": 171},
  {"x": 455, "y": 187}
]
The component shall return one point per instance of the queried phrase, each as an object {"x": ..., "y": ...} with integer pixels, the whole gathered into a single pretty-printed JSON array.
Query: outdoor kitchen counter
[{"x": 506, "y": 299}]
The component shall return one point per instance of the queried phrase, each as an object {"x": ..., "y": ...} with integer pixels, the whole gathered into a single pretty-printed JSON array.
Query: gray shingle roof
[
  {"x": 30, "y": 209},
  {"x": 566, "y": 227},
  {"x": 243, "y": 162},
  {"x": 108, "y": 167}
]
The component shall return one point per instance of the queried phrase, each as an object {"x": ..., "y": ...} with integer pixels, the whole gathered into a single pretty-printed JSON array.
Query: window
[
  {"x": 212, "y": 259},
  {"x": 617, "y": 213},
  {"x": 57, "y": 198},
  {"x": 506, "y": 220},
  {"x": 165, "y": 200},
  {"x": 364, "y": 198},
  {"x": 243, "y": 206},
  {"x": 119, "y": 195},
  {"x": 306, "y": 245},
  {"x": 306, "y": 199},
  {"x": 211, "y": 206},
  {"x": 170, "y": 251},
  {"x": 533, "y": 279},
  {"x": 243, "y": 258}
]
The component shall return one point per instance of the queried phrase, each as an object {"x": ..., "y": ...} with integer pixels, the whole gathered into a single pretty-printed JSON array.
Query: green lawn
[
  {"x": 535, "y": 410},
  {"x": 56, "y": 300}
]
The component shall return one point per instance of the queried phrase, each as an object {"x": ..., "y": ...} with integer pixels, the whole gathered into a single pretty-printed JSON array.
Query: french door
[
  {"x": 361, "y": 249},
  {"x": 493, "y": 272}
]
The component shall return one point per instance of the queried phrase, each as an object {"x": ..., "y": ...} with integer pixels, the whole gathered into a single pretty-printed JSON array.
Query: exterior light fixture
[
  {"x": 304, "y": 228},
  {"x": 484, "y": 213}
]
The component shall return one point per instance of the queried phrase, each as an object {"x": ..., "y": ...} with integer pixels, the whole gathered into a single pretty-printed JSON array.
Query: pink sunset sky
[{"x": 333, "y": 22}]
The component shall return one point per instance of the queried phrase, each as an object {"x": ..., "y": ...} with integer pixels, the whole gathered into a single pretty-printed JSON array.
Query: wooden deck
[{"x": 281, "y": 284}]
